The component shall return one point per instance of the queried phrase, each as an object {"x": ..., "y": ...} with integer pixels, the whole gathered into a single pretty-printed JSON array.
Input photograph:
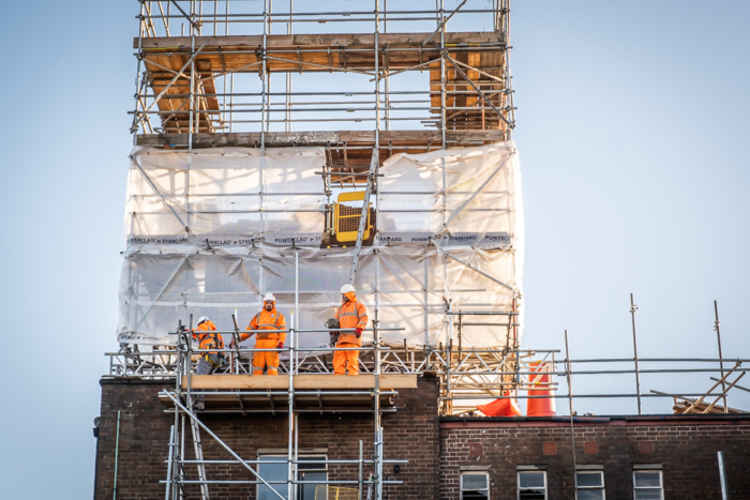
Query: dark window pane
[
  {"x": 531, "y": 495},
  {"x": 648, "y": 494},
  {"x": 311, "y": 463},
  {"x": 532, "y": 479},
  {"x": 474, "y": 481},
  {"x": 645, "y": 478},
  {"x": 589, "y": 478},
  {"x": 590, "y": 495},
  {"x": 474, "y": 495}
]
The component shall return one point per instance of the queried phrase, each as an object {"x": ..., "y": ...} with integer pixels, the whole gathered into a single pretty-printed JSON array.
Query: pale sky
[{"x": 631, "y": 128}]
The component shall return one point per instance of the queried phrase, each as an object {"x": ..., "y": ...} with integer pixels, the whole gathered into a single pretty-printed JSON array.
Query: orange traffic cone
[
  {"x": 501, "y": 407},
  {"x": 540, "y": 407}
]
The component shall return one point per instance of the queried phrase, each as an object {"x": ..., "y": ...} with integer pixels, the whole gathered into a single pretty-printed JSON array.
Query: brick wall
[
  {"x": 436, "y": 448},
  {"x": 411, "y": 433},
  {"x": 686, "y": 448}
]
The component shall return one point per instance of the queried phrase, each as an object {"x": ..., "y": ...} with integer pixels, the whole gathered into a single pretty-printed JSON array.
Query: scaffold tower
[{"x": 292, "y": 147}]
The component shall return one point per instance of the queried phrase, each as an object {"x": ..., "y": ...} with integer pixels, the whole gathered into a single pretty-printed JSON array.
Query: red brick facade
[
  {"x": 684, "y": 447},
  {"x": 437, "y": 449},
  {"x": 411, "y": 433}
]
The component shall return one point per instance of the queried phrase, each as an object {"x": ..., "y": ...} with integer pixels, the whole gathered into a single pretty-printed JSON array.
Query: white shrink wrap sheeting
[{"x": 449, "y": 236}]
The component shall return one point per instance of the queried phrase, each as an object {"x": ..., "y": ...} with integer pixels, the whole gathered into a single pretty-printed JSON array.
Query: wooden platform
[
  {"x": 317, "y": 52},
  {"x": 315, "y": 393},
  {"x": 301, "y": 382},
  {"x": 164, "y": 57}
]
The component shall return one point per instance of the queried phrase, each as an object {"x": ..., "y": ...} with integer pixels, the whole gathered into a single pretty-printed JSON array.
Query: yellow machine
[
  {"x": 326, "y": 492},
  {"x": 342, "y": 221}
]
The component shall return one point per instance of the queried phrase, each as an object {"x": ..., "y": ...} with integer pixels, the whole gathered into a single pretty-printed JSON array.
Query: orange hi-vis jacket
[
  {"x": 351, "y": 314},
  {"x": 267, "y": 320},
  {"x": 206, "y": 339}
]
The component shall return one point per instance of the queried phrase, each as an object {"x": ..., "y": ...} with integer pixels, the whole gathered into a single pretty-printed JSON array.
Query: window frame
[
  {"x": 520, "y": 470},
  {"x": 656, "y": 469},
  {"x": 592, "y": 470},
  {"x": 474, "y": 473},
  {"x": 274, "y": 455}
]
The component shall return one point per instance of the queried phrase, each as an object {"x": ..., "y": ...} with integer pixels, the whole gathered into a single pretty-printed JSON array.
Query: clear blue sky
[{"x": 631, "y": 125}]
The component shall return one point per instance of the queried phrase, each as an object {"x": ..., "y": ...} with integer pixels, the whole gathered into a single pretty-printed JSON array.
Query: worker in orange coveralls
[
  {"x": 351, "y": 315},
  {"x": 267, "y": 319},
  {"x": 207, "y": 339}
]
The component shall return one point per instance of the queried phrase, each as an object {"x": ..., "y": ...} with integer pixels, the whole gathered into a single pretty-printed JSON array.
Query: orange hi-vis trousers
[
  {"x": 343, "y": 360},
  {"x": 266, "y": 359}
]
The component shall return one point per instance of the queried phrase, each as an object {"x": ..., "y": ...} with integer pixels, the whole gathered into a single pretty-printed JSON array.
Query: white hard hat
[
  {"x": 202, "y": 319},
  {"x": 268, "y": 297},
  {"x": 346, "y": 289}
]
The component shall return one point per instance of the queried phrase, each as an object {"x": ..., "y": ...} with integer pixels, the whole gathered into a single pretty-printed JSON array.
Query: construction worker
[
  {"x": 207, "y": 339},
  {"x": 267, "y": 319},
  {"x": 351, "y": 315}
]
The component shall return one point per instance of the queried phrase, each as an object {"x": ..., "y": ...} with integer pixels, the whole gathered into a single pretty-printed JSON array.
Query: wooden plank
[
  {"x": 324, "y": 52},
  {"x": 310, "y": 138},
  {"x": 473, "y": 38},
  {"x": 301, "y": 382}
]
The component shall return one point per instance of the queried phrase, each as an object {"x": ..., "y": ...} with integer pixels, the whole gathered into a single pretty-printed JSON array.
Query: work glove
[
  {"x": 359, "y": 332},
  {"x": 280, "y": 345}
]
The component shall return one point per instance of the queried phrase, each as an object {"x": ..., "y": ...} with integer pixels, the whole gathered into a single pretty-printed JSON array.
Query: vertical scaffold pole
[
  {"x": 178, "y": 456},
  {"x": 722, "y": 475},
  {"x": 264, "y": 89},
  {"x": 570, "y": 407},
  {"x": 170, "y": 458},
  {"x": 292, "y": 443},
  {"x": 378, "y": 430},
  {"x": 182, "y": 360},
  {"x": 291, "y": 421},
  {"x": 191, "y": 116},
  {"x": 117, "y": 456},
  {"x": 441, "y": 24},
  {"x": 386, "y": 78},
  {"x": 359, "y": 467},
  {"x": 296, "y": 296},
  {"x": 192, "y": 77},
  {"x": 444, "y": 203},
  {"x": 138, "y": 89},
  {"x": 426, "y": 298},
  {"x": 180, "y": 493},
  {"x": 633, "y": 309},
  {"x": 721, "y": 357},
  {"x": 288, "y": 114}
]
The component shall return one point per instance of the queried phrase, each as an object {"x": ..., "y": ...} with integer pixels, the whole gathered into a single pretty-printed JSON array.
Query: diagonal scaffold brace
[
  {"x": 229, "y": 450},
  {"x": 371, "y": 175}
]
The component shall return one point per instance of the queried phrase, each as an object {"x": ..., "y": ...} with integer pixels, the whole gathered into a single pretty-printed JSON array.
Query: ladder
[{"x": 198, "y": 449}]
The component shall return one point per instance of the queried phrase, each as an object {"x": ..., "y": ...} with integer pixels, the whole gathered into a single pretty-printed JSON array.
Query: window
[
  {"x": 532, "y": 485},
  {"x": 312, "y": 469},
  {"x": 273, "y": 469},
  {"x": 590, "y": 485},
  {"x": 647, "y": 484},
  {"x": 475, "y": 486}
]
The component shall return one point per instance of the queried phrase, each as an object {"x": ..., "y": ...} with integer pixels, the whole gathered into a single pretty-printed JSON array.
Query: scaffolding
[
  {"x": 357, "y": 90},
  {"x": 294, "y": 393},
  {"x": 300, "y": 390},
  {"x": 363, "y": 70}
]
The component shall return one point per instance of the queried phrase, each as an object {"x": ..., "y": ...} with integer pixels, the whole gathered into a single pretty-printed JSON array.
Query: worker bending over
[
  {"x": 267, "y": 319},
  {"x": 205, "y": 334},
  {"x": 351, "y": 315}
]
